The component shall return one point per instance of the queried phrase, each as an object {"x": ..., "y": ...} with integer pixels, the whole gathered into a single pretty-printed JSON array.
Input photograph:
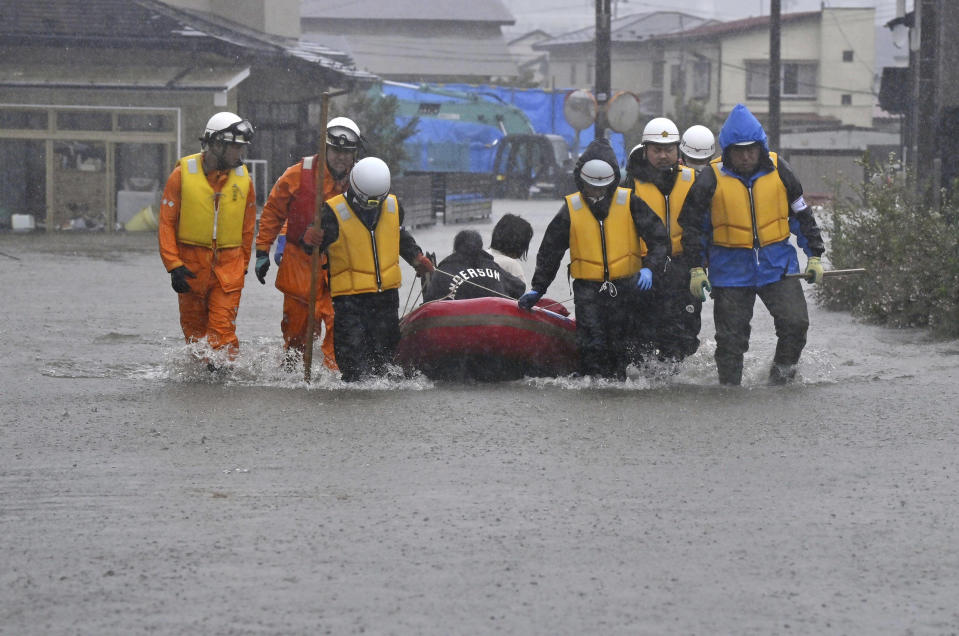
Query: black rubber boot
[
  {"x": 730, "y": 368},
  {"x": 782, "y": 373}
]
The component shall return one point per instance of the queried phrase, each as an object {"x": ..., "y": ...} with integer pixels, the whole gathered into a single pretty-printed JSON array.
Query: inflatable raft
[{"x": 487, "y": 339}]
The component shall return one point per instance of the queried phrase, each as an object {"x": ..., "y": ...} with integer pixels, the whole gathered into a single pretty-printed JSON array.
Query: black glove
[
  {"x": 262, "y": 265},
  {"x": 178, "y": 276}
]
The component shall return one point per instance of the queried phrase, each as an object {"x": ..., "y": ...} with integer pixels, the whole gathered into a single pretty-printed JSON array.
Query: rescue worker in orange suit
[
  {"x": 667, "y": 317},
  {"x": 363, "y": 233},
  {"x": 292, "y": 202},
  {"x": 207, "y": 220}
]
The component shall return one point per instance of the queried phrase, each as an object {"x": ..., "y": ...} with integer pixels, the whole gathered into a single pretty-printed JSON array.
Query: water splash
[{"x": 264, "y": 363}]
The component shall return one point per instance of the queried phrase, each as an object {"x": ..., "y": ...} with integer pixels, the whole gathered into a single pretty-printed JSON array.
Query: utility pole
[
  {"x": 775, "y": 74},
  {"x": 603, "y": 80}
]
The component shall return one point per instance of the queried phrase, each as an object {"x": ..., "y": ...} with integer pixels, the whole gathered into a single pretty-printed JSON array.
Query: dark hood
[{"x": 599, "y": 149}]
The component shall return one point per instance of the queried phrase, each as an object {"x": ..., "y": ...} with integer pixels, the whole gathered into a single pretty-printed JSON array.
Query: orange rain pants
[
  {"x": 293, "y": 274},
  {"x": 209, "y": 309},
  {"x": 293, "y": 279}
]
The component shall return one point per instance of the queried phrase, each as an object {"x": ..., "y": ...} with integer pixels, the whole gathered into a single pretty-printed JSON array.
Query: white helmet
[
  {"x": 597, "y": 172},
  {"x": 660, "y": 131},
  {"x": 228, "y": 127},
  {"x": 698, "y": 143},
  {"x": 342, "y": 132},
  {"x": 370, "y": 181}
]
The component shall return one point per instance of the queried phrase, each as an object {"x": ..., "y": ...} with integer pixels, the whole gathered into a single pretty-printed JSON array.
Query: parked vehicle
[{"x": 528, "y": 166}]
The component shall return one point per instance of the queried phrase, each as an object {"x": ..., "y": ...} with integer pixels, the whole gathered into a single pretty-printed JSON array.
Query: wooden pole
[{"x": 315, "y": 257}]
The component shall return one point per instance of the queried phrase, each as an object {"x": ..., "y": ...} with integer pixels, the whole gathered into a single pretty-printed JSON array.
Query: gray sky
[{"x": 560, "y": 16}]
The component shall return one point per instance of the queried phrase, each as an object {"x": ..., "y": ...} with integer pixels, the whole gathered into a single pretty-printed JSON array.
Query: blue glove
[
  {"x": 262, "y": 265},
  {"x": 529, "y": 299},
  {"x": 645, "y": 279},
  {"x": 280, "y": 246}
]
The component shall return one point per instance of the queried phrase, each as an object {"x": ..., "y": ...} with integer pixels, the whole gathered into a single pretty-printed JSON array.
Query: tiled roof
[
  {"x": 418, "y": 10},
  {"x": 152, "y": 24},
  {"x": 746, "y": 24},
  {"x": 633, "y": 28}
]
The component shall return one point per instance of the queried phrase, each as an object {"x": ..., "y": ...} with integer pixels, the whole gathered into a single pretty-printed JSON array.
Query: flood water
[{"x": 140, "y": 493}]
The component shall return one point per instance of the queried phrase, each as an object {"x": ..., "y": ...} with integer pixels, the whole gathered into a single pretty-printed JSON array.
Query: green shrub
[{"x": 909, "y": 247}]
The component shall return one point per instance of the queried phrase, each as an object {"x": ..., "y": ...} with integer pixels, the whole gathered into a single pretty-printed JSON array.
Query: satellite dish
[
  {"x": 622, "y": 111},
  {"x": 580, "y": 108}
]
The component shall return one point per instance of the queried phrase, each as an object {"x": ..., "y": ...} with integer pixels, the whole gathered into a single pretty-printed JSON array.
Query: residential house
[
  {"x": 531, "y": 63},
  {"x": 828, "y": 68},
  {"x": 637, "y": 57},
  {"x": 416, "y": 41},
  {"x": 100, "y": 97},
  {"x": 926, "y": 93}
]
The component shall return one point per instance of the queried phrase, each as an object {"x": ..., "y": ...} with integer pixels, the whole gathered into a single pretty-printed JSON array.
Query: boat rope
[{"x": 406, "y": 305}]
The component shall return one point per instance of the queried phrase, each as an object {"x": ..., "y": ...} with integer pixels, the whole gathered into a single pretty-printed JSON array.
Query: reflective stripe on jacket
[
  {"x": 602, "y": 250},
  {"x": 667, "y": 209},
  {"x": 361, "y": 260},
  {"x": 206, "y": 216},
  {"x": 749, "y": 217}
]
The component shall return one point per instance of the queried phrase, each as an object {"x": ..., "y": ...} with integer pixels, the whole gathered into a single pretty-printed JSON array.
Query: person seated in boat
[
  {"x": 601, "y": 225},
  {"x": 510, "y": 244},
  {"x": 471, "y": 272}
]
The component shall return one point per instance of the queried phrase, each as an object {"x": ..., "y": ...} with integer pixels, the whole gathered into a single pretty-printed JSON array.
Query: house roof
[
  {"x": 415, "y": 10},
  {"x": 153, "y": 24},
  {"x": 536, "y": 35},
  {"x": 399, "y": 54},
  {"x": 632, "y": 28},
  {"x": 746, "y": 24},
  {"x": 170, "y": 78}
]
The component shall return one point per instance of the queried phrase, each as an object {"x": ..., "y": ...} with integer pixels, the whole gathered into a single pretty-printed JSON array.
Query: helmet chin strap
[
  {"x": 339, "y": 175},
  {"x": 221, "y": 162}
]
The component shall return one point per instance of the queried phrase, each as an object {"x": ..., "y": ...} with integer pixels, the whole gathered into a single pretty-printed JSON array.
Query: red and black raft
[{"x": 487, "y": 339}]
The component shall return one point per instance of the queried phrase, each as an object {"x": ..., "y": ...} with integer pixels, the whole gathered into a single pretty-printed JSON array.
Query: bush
[{"x": 909, "y": 248}]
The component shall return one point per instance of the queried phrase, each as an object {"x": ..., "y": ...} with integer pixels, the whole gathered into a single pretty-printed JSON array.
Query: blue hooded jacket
[{"x": 750, "y": 267}]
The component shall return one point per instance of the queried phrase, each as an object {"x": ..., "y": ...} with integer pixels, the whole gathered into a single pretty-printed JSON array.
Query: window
[
  {"x": 23, "y": 119},
  {"x": 659, "y": 69},
  {"x": 701, "y": 78},
  {"x": 797, "y": 81},
  {"x": 572, "y": 74},
  {"x": 847, "y": 100},
  {"x": 847, "y": 56},
  {"x": 677, "y": 80}
]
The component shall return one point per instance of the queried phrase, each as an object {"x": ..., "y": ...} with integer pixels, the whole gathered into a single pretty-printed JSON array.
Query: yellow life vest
[
  {"x": 360, "y": 261},
  {"x": 587, "y": 260},
  {"x": 742, "y": 216},
  {"x": 206, "y": 216},
  {"x": 667, "y": 209}
]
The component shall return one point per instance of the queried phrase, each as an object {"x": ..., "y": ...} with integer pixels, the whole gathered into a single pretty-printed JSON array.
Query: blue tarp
[
  {"x": 438, "y": 142},
  {"x": 438, "y": 146},
  {"x": 545, "y": 112}
]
